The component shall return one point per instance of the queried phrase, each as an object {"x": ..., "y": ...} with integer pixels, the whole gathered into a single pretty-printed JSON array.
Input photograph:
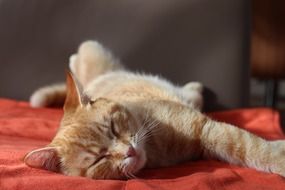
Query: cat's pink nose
[{"x": 131, "y": 152}]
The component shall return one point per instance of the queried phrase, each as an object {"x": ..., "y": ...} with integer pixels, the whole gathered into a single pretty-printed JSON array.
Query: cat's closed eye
[
  {"x": 114, "y": 130},
  {"x": 103, "y": 153},
  {"x": 97, "y": 160}
]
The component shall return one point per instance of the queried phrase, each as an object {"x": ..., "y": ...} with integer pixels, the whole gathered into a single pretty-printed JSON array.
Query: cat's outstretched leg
[
  {"x": 91, "y": 60},
  {"x": 237, "y": 146}
]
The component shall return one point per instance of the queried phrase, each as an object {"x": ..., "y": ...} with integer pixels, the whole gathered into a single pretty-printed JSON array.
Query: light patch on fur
[
  {"x": 92, "y": 60},
  {"x": 48, "y": 96},
  {"x": 84, "y": 159}
]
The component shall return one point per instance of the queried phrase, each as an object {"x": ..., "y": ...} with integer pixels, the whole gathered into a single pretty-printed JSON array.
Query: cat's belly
[{"x": 120, "y": 86}]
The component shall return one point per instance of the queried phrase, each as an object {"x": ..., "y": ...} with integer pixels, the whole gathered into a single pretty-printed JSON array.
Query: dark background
[{"x": 183, "y": 40}]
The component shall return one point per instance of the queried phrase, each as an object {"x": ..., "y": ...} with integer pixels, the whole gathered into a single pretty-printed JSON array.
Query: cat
[{"x": 116, "y": 123}]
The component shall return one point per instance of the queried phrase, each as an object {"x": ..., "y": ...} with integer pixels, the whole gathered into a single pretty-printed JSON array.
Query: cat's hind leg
[
  {"x": 193, "y": 93},
  {"x": 92, "y": 60}
]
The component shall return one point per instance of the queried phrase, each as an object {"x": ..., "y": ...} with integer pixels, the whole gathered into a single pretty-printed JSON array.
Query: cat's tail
[{"x": 49, "y": 96}]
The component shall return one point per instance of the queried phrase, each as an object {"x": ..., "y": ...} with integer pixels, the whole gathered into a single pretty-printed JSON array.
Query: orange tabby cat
[{"x": 116, "y": 122}]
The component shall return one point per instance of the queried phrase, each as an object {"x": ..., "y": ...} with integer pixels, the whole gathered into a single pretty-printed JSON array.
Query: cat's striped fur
[{"x": 122, "y": 122}]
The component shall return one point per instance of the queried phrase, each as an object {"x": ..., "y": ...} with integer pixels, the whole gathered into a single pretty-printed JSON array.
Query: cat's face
[
  {"x": 97, "y": 139},
  {"x": 100, "y": 141}
]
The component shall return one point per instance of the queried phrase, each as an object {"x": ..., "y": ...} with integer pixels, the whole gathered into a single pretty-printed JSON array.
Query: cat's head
[{"x": 97, "y": 139}]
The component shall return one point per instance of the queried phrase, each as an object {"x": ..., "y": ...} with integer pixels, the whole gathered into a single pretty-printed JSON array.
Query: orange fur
[{"x": 122, "y": 122}]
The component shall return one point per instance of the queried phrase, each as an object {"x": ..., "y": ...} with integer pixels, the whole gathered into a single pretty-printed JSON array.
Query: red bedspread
[{"x": 23, "y": 128}]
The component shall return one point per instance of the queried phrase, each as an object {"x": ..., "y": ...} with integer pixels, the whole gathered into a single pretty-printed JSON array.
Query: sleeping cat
[{"x": 116, "y": 123}]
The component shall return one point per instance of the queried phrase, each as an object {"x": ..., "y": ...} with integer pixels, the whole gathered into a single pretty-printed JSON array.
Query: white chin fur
[{"x": 130, "y": 164}]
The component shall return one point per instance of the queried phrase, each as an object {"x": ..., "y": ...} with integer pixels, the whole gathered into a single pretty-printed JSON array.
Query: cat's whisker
[
  {"x": 127, "y": 175},
  {"x": 142, "y": 140},
  {"x": 142, "y": 128},
  {"x": 140, "y": 136},
  {"x": 147, "y": 132},
  {"x": 156, "y": 128},
  {"x": 152, "y": 123},
  {"x": 144, "y": 133},
  {"x": 133, "y": 175},
  {"x": 124, "y": 171},
  {"x": 135, "y": 137},
  {"x": 147, "y": 118},
  {"x": 130, "y": 177},
  {"x": 140, "y": 131},
  {"x": 152, "y": 126},
  {"x": 147, "y": 126}
]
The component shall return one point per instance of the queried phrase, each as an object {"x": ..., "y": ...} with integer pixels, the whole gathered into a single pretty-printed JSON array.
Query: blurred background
[
  {"x": 267, "y": 55},
  {"x": 236, "y": 48}
]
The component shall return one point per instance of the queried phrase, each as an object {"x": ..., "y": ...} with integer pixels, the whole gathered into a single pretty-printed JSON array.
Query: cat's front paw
[{"x": 277, "y": 158}]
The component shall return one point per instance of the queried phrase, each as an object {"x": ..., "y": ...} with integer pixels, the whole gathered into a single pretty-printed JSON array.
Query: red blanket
[{"x": 23, "y": 128}]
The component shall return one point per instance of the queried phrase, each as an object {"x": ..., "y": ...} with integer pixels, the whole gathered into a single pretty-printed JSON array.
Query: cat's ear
[
  {"x": 43, "y": 158},
  {"x": 75, "y": 95}
]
